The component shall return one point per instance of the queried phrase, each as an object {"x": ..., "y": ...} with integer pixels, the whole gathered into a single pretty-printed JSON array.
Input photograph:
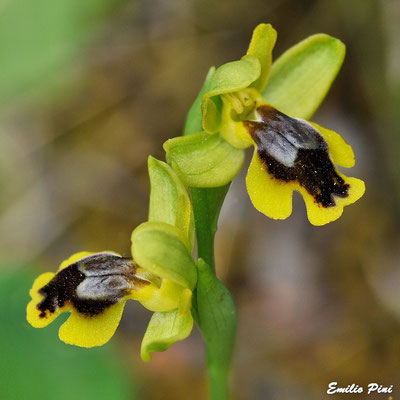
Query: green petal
[
  {"x": 234, "y": 76},
  {"x": 302, "y": 76},
  {"x": 211, "y": 113},
  {"x": 203, "y": 160},
  {"x": 164, "y": 329},
  {"x": 194, "y": 121},
  {"x": 261, "y": 45},
  {"x": 157, "y": 248},
  {"x": 229, "y": 77},
  {"x": 169, "y": 200}
]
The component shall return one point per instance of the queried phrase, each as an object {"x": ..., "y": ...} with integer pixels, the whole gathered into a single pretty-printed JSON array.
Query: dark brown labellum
[
  {"x": 293, "y": 150},
  {"x": 91, "y": 284}
]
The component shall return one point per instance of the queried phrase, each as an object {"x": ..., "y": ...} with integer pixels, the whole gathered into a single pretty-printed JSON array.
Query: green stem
[
  {"x": 219, "y": 380},
  {"x": 217, "y": 318},
  {"x": 207, "y": 205}
]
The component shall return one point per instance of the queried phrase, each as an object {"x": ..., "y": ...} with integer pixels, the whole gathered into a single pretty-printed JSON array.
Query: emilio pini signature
[{"x": 371, "y": 388}]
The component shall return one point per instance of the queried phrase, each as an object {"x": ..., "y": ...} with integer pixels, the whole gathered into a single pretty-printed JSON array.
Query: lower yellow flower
[
  {"x": 161, "y": 275},
  {"x": 94, "y": 288},
  {"x": 292, "y": 154}
]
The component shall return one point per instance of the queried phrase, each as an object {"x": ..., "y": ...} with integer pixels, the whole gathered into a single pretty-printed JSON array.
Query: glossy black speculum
[
  {"x": 293, "y": 150},
  {"x": 91, "y": 284}
]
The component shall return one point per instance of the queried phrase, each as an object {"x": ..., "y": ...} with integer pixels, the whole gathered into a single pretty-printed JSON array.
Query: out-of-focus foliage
[
  {"x": 34, "y": 364},
  {"x": 38, "y": 40}
]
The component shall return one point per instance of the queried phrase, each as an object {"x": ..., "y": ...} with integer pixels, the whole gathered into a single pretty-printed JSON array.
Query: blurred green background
[{"x": 88, "y": 89}]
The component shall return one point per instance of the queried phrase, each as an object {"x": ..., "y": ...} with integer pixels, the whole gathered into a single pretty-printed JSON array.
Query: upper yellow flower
[
  {"x": 161, "y": 275},
  {"x": 251, "y": 103}
]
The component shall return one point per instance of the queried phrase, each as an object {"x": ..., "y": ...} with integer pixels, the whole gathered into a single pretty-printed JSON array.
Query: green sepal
[
  {"x": 203, "y": 160},
  {"x": 261, "y": 46},
  {"x": 194, "y": 122},
  {"x": 217, "y": 320},
  {"x": 169, "y": 200},
  {"x": 164, "y": 329},
  {"x": 158, "y": 248},
  {"x": 230, "y": 77},
  {"x": 302, "y": 76}
]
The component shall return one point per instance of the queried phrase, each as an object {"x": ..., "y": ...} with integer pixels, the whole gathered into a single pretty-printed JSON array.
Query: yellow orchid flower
[
  {"x": 161, "y": 275},
  {"x": 252, "y": 102},
  {"x": 94, "y": 288}
]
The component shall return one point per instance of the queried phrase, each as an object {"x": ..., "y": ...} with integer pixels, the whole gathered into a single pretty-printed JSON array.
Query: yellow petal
[
  {"x": 340, "y": 151},
  {"x": 91, "y": 331},
  {"x": 32, "y": 312},
  {"x": 274, "y": 198},
  {"x": 268, "y": 195},
  {"x": 319, "y": 215}
]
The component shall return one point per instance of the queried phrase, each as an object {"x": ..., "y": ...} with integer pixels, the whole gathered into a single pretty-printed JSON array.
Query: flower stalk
[{"x": 215, "y": 311}]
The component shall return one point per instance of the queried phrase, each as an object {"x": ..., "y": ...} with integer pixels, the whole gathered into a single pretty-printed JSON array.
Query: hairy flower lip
[
  {"x": 90, "y": 284},
  {"x": 96, "y": 314},
  {"x": 293, "y": 150}
]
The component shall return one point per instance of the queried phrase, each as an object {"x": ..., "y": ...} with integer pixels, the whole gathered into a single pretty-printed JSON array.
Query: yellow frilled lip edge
[
  {"x": 273, "y": 198},
  {"x": 90, "y": 331}
]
